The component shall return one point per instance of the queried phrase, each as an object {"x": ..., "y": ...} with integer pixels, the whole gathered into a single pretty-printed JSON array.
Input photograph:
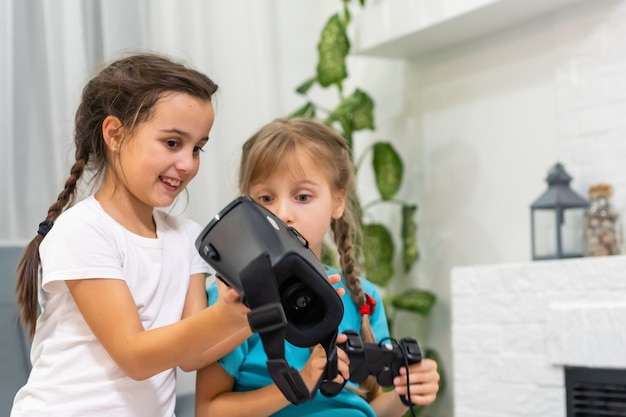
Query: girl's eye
[
  {"x": 197, "y": 149},
  {"x": 171, "y": 143},
  {"x": 264, "y": 199},
  {"x": 303, "y": 197}
]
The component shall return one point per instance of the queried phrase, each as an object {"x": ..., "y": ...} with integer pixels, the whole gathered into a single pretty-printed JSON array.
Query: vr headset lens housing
[{"x": 245, "y": 236}]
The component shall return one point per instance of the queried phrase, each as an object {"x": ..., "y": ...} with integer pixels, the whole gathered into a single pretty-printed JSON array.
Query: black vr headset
[{"x": 282, "y": 282}]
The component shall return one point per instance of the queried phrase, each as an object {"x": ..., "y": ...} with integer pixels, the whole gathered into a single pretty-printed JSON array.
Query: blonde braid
[{"x": 340, "y": 228}]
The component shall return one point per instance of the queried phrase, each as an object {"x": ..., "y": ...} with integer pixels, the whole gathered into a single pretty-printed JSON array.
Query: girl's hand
[
  {"x": 312, "y": 370},
  {"x": 315, "y": 366},
  {"x": 229, "y": 301},
  {"x": 335, "y": 278},
  {"x": 343, "y": 361},
  {"x": 423, "y": 380},
  {"x": 226, "y": 293}
]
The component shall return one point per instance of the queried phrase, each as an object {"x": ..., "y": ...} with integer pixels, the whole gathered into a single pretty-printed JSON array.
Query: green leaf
[
  {"x": 358, "y": 109},
  {"x": 333, "y": 48},
  {"x": 415, "y": 300},
  {"x": 378, "y": 254},
  {"x": 363, "y": 111},
  {"x": 304, "y": 88},
  {"x": 308, "y": 110},
  {"x": 388, "y": 169},
  {"x": 410, "y": 252},
  {"x": 347, "y": 15}
]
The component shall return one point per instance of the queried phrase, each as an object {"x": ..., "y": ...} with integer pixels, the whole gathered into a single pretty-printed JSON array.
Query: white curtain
[
  {"x": 36, "y": 93},
  {"x": 49, "y": 48}
]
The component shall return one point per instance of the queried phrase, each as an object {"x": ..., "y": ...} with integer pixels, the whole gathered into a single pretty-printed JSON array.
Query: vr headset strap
[
  {"x": 267, "y": 318},
  {"x": 327, "y": 387}
]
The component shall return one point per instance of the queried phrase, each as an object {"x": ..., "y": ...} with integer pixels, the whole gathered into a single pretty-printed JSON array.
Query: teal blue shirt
[{"x": 247, "y": 363}]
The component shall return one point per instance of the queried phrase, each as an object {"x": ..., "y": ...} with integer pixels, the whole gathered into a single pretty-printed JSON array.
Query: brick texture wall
[{"x": 514, "y": 327}]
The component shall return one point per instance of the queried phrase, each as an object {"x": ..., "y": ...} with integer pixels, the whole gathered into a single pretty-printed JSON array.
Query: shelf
[{"x": 400, "y": 29}]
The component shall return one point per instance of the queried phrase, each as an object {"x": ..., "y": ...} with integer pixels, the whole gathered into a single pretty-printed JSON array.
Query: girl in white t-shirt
[{"x": 122, "y": 301}]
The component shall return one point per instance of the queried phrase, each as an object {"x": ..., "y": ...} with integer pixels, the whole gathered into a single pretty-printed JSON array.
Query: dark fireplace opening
[{"x": 595, "y": 392}]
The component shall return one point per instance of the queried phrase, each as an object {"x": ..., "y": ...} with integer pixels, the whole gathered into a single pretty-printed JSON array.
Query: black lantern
[{"x": 557, "y": 219}]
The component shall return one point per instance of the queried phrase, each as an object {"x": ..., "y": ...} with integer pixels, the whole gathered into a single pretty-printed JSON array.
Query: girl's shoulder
[
  {"x": 85, "y": 213},
  {"x": 83, "y": 225}
]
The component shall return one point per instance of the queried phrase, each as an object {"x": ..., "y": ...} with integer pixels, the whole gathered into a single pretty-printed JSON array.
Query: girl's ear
[
  {"x": 112, "y": 132},
  {"x": 340, "y": 203}
]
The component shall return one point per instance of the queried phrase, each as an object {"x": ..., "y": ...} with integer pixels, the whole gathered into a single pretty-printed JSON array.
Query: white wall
[{"x": 484, "y": 120}]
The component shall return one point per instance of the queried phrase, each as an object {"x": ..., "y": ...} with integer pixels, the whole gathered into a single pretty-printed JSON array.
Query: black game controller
[{"x": 380, "y": 360}]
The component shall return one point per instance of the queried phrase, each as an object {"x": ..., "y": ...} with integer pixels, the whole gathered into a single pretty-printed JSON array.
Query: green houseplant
[{"x": 352, "y": 113}]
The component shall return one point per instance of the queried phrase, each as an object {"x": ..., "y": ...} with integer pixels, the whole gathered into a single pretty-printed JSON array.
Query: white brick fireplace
[{"x": 515, "y": 327}]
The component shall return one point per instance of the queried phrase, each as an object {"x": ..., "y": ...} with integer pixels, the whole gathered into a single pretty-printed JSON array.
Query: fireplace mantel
[{"x": 515, "y": 326}]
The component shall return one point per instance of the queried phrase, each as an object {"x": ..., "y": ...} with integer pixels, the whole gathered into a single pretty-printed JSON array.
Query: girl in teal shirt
[{"x": 301, "y": 170}]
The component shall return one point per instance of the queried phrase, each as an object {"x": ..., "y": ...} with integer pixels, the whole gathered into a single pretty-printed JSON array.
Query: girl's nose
[
  {"x": 186, "y": 162},
  {"x": 283, "y": 212}
]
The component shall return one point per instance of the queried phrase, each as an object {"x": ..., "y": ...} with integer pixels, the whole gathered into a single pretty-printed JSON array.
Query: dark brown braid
[
  {"x": 128, "y": 89},
  {"x": 274, "y": 144}
]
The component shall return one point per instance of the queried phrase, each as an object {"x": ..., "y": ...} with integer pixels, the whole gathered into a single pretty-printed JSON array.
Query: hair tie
[
  {"x": 369, "y": 305},
  {"x": 44, "y": 227}
]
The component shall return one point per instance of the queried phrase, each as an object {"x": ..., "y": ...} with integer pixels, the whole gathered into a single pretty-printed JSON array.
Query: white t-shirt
[{"x": 72, "y": 374}]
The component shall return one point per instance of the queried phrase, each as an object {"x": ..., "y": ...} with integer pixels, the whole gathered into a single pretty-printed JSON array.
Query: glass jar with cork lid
[{"x": 603, "y": 234}]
